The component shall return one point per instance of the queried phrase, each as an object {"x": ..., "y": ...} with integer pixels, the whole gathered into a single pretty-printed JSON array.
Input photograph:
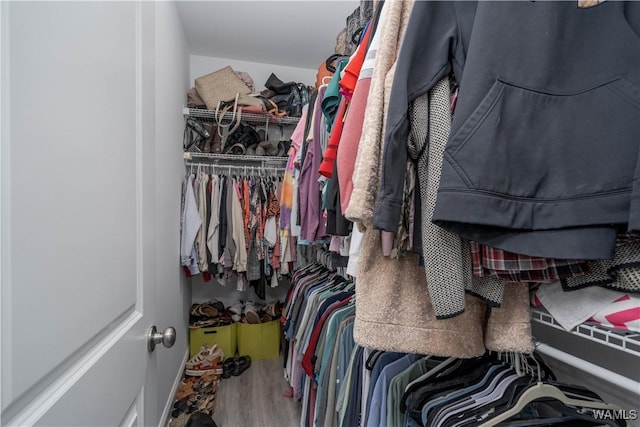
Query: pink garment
[
  {"x": 296, "y": 374},
  {"x": 350, "y": 139},
  {"x": 334, "y": 245}
]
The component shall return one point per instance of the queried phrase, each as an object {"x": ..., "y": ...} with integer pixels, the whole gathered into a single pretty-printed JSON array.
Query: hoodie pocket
[{"x": 526, "y": 143}]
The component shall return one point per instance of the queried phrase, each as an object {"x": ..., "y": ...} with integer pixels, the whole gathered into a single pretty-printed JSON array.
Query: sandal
[
  {"x": 205, "y": 361},
  {"x": 204, "y": 323},
  {"x": 213, "y": 369}
]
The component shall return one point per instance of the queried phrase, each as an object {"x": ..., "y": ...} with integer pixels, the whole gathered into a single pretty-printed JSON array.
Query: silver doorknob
[{"x": 168, "y": 338}]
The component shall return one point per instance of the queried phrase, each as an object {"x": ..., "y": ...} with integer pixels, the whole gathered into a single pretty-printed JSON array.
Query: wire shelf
[
  {"x": 628, "y": 342},
  {"x": 235, "y": 159},
  {"x": 246, "y": 117}
]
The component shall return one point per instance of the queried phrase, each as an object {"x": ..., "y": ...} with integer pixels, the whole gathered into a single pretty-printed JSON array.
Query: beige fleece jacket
[{"x": 368, "y": 166}]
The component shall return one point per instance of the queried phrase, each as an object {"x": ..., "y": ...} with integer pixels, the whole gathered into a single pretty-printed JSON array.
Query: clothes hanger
[
  {"x": 445, "y": 377},
  {"x": 431, "y": 404},
  {"x": 539, "y": 391},
  {"x": 464, "y": 391},
  {"x": 479, "y": 414},
  {"x": 485, "y": 396},
  {"x": 413, "y": 385},
  {"x": 372, "y": 359},
  {"x": 330, "y": 60}
]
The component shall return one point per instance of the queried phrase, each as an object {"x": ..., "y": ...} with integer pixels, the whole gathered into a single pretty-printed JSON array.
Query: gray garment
[
  {"x": 515, "y": 175},
  {"x": 447, "y": 257},
  {"x": 230, "y": 249}
]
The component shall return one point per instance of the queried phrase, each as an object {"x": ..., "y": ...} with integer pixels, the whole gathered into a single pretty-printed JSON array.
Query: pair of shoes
[
  {"x": 207, "y": 361},
  {"x": 212, "y": 308},
  {"x": 241, "y": 364},
  {"x": 247, "y": 310},
  {"x": 235, "y": 366}
]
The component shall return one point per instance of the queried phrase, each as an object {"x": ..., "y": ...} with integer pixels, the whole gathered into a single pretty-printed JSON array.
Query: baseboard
[{"x": 176, "y": 383}]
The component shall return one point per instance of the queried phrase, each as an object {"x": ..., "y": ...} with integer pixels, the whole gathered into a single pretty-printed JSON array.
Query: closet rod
[
  {"x": 238, "y": 169},
  {"x": 599, "y": 372}
]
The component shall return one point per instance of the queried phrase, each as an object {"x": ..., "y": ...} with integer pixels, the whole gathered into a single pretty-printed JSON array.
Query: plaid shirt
[{"x": 489, "y": 261}]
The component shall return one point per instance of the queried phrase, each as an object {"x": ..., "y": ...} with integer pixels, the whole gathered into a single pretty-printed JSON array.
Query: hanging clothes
[
  {"x": 226, "y": 218},
  {"x": 289, "y": 186},
  {"x": 203, "y": 262},
  {"x": 191, "y": 224},
  {"x": 319, "y": 303},
  {"x": 367, "y": 167},
  {"x": 312, "y": 223},
  {"x": 213, "y": 233}
]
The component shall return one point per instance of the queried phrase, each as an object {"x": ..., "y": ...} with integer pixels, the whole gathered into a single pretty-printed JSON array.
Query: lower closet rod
[{"x": 597, "y": 371}]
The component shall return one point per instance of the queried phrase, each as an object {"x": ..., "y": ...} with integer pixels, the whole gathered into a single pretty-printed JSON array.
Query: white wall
[
  {"x": 173, "y": 292},
  {"x": 259, "y": 72}
]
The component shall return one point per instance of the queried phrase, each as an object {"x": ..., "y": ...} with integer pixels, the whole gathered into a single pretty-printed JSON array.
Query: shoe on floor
[
  {"x": 206, "y": 353},
  {"x": 207, "y": 361},
  {"x": 227, "y": 367},
  {"x": 241, "y": 365}
]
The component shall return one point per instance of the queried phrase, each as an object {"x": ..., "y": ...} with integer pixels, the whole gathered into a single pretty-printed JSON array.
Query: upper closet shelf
[
  {"x": 628, "y": 342},
  {"x": 188, "y": 155},
  {"x": 245, "y": 117}
]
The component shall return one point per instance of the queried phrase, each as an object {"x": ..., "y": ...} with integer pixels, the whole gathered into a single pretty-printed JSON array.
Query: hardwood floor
[{"x": 254, "y": 399}]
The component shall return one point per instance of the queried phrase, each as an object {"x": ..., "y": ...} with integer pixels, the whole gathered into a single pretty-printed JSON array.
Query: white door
[{"x": 78, "y": 189}]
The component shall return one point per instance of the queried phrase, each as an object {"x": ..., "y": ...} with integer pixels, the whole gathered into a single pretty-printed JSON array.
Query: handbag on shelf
[
  {"x": 241, "y": 139},
  {"x": 220, "y": 86},
  {"x": 194, "y": 100},
  {"x": 228, "y": 115},
  {"x": 195, "y": 135},
  {"x": 200, "y": 136}
]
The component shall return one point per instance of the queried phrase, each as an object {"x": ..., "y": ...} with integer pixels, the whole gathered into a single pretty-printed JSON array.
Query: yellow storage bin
[
  {"x": 223, "y": 336},
  {"x": 260, "y": 341}
]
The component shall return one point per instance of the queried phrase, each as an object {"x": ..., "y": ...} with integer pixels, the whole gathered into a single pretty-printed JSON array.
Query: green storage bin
[
  {"x": 223, "y": 336},
  {"x": 260, "y": 341}
]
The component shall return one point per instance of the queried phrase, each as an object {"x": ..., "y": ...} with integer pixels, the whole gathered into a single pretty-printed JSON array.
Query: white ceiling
[{"x": 298, "y": 33}]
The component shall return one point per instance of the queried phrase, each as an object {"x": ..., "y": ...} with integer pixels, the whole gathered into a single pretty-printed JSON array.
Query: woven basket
[{"x": 220, "y": 86}]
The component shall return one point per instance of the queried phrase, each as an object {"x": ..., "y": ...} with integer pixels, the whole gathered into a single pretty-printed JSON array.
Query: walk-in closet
[{"x": 352, "y": 213}]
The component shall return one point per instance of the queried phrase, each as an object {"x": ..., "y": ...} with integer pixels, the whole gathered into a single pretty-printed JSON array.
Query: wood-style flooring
[{"x": 254, "y": 399}]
